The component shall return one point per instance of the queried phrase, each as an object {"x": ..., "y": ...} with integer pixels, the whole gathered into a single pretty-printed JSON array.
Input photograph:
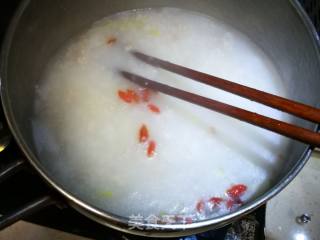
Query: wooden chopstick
[
  {"x": 295, "y": 108},
  {"x": 283, "y": 128}
]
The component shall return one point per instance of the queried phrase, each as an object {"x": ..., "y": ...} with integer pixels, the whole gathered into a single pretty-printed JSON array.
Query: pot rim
[{"x": 121, "y": 223}]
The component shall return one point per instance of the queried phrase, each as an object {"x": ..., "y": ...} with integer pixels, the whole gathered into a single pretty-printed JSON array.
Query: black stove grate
[{"x": 312, "y": 7}]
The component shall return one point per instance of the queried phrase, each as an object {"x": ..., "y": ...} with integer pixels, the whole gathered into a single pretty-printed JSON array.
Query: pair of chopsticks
[{"x": 286, "y": 129}]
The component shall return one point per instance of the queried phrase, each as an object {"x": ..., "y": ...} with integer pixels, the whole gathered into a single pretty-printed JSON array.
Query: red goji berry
[
  {"x": 236, "y": 190},
  {"x": 124, "y": 96},
  {"x": 153, "y": 108},
  {"x": 151, "y": 148},
  {"x": 143, "y": 134},
  {"x": 129, "y": 96}
]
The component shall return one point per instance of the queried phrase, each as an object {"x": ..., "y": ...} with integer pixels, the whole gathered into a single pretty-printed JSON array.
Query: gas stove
[{"x": 24, "y": 184}]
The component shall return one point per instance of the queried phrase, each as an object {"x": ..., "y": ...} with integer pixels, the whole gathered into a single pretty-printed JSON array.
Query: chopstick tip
[
  {"x": 127, "y": 75},
  {"x": 134, "y": 78},
  {"x": 143, "y": 57}
]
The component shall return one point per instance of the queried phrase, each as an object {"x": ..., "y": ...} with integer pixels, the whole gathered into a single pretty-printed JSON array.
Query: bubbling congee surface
[{"x": 130, "y": 150}]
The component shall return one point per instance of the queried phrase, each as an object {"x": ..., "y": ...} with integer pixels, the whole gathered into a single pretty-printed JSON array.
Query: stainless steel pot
[{"x": 279, "y": 27}]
